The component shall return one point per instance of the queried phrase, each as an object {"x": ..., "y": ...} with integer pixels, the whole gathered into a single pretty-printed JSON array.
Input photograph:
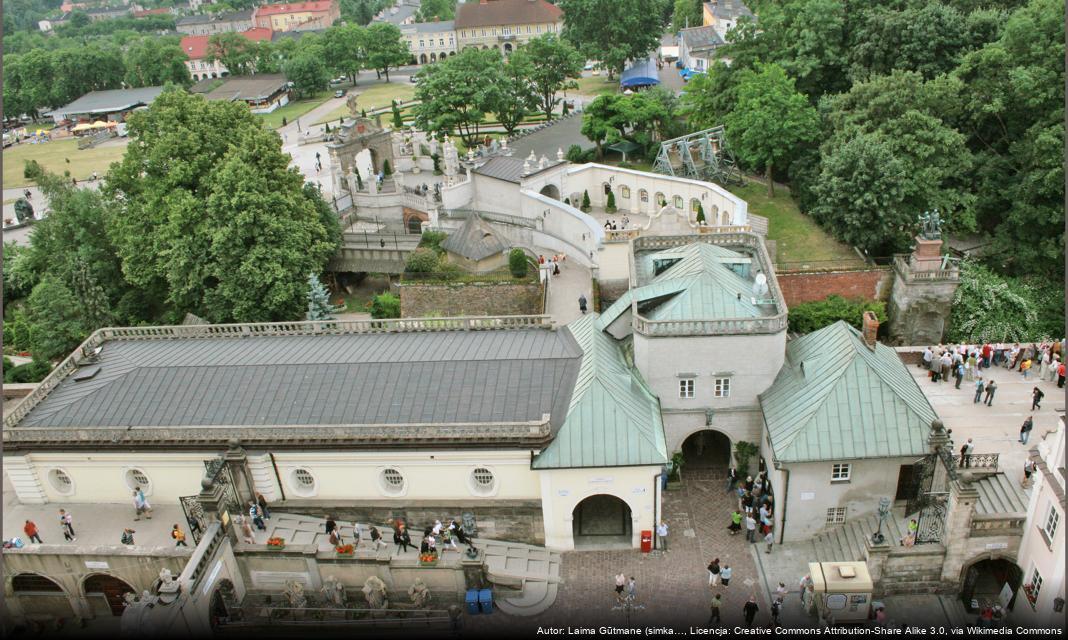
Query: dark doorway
[
  {"x": 110, "y": 588},
  {"x": 984, "y": 581},
  {"x": 551, "y": 191},
  {"x": 706, "y": 449},
  {"x": 904, "y": 483},
  {"x": 217, "y": 610},
  {"x": 602, "y": 521},
  {"x": 415, "y": 225}
]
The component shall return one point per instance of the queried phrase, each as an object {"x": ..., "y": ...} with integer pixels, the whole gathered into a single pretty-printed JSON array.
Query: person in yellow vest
[{"x": 179, "y": 536}]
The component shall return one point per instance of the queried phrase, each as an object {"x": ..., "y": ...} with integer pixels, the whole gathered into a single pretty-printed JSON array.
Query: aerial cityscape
[{"x": 444, "y": 318}]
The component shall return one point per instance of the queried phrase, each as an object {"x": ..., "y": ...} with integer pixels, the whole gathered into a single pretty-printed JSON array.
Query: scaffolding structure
[{"x": 703, "y": 155}]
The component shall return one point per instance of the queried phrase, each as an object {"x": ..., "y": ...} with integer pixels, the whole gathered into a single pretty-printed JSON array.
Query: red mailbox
[{"x": 647, "y": 541}]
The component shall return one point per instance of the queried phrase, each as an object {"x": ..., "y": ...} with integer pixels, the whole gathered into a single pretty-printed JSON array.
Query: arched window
[
  {"x": 33, "y": 582},
  {"x": 660, "y": 200},
  {"x": 677, "y": 200},
  {"x": 695, "y": 204},
  {"x": 643, "y": 195},
  {"x": 607, "y": 188},
  {"x": 726, "y": 219},
  {"x": 624, "y": 192}
]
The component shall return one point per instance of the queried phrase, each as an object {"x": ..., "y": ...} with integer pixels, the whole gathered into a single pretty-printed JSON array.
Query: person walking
[
  {"x": 750, "y": 610},
  {"x": 262, "y": 502},
  {"x": 127, "y": 536},
  {"x": 769, "y": 539},
  {"x": 582, "y": 303},
  {"x": 662, "y": 534},
  {"x": 256, "y": 516},
  {"x": 30, "y": 529},
  {"x": 958, "y": 373},
  {"x": 632, "y": 589},
  {"x": 246, "y": 530},
  {"x": 966, "y": 454},
  {"x": 1025, "y": 429},
  {"x": 991, "y": 387},
  {"x": 179, "y": 537},
  {"x": 750, "y": 528},
  {"x": 1029, "y": 470},
  {"x": 621, "y": 584},
  {"x": 979, "y": 384},
  {"x": 776, "y": 610},
  {"x": 713, "y": 572},
  {"x": 376, "y": 538},
  {"x": 66, "y": 522},
  {"x": 1025, "y": 368},
  {"x": 732, "y": 478},
  {"x": 717, "y": 602},
  {"x": 781, "y": 591},
  {"x": 1036, "y": 399},
  {"x": 725, "y": 575},
  {"x": 1060, "y": 376}
]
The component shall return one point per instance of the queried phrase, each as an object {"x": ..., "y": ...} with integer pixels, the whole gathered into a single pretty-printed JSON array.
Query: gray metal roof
[
  {"x": 729, "y": 9},
  {"x": 502, "y": 168},
  {"x": 429, "y": 27},
  {"x": 403, "y": 13},
  {"x": 396, "y": 378},
  {"x": 294, "y": 35},
  {"x": 231, "y": 16},
  {"x": 474, "y": 240},
  {"x": 257, "y": 87},
  {"x": 699, "y": 38},
  {"x": 112, "y": 100}
]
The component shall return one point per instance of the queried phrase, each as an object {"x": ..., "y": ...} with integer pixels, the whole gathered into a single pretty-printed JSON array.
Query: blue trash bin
[
  {"x": 471, "y": 601},
  {"x": 485, "y": 601}
]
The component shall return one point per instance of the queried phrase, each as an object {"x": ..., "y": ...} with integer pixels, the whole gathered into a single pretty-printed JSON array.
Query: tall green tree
[
  {"x": 687, "y": 13},
  {"x": 148, "y": 64},
  {"x": 927, "y": 37},
  {"x": 431, "y": 10},
  {"x": 455, "y": 95},
  {"x": 56, "y": 321},
  {"x": 308, "y": 73},
  {"x": 236, "y": 52},
  {"x": 206, "y": 208},
  {"x": 710, "y": 96},
  {"x": 516, "y": 96},
  {"x": 770, "y": 120},
  {"x": 343, "y": 46},
  {"x": 552, "y": 66},
  {"x": 613, "y": 31},
  {"x": 384, "y": 47}
]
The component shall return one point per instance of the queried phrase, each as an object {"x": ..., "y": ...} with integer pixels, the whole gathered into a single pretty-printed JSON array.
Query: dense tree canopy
[
  {"x": 151, "y": 63},
  {"x": 551, "y": 65},
  {"x": 207, "y": 211},
  {"x": 613, "y": 31},
  {"x": 384, "y": 47},
  {"x": 455, "y": 95}
]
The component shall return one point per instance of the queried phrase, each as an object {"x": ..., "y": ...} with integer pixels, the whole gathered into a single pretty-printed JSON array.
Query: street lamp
[{"x": 884, "y": 511}]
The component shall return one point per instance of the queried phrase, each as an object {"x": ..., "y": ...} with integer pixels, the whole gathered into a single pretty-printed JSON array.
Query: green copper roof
[
  {"x": 614, "y": 420},
  {"x": 695, "y": 282},
  {"x": 848, "y": 402}
]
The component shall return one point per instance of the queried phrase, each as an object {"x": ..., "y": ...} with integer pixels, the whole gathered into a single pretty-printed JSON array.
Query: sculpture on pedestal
[
  {"x": 374, "y": 591},
  {"x": 419, "y": 593},
  {"x": 334, "y": 592},
  {"x": 931, "y": 225},
  {"x": 294, "y": 593}
]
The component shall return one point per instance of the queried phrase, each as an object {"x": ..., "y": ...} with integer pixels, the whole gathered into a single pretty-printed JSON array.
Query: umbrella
[
  {"x": 82, "y": 127},
  {"x": 111, "y": 124},
  {"x": 99, "y": 125}
]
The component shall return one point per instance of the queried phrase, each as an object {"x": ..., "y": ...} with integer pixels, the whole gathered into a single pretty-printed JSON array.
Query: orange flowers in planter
[
  {"x": 345, "y": 549},
  {"x": 428, "y": 558},
  {"x": 276, "y": 542}
]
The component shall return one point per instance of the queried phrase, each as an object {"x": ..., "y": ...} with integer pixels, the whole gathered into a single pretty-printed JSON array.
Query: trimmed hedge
[
  {"x": 385, "y": 305},
  {"x": 811, "y": 316},
  {"x": 518, "y": 263}
]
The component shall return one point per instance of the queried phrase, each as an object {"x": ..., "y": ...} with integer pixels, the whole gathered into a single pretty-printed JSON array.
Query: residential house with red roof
[
  {"x": 298, "y": 16},
  {"x": 505, "y": 24},
  {"x": 202, "y": 65}
]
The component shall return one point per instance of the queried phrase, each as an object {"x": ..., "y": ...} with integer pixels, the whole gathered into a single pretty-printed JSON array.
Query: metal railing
[{"x": 254, "y": 616}]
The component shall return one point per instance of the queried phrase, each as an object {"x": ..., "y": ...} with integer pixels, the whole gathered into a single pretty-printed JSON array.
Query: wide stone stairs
[
  {"x": 533, "y": 571},
  {"x": 846, "y": 542}
]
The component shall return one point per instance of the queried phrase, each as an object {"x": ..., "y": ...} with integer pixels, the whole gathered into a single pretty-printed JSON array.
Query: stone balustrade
[{"x": 906, "y": 271}]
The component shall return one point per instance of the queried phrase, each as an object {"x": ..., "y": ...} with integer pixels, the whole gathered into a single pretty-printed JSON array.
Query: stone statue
[
  {"x": 467, "y": 521},
  {"x": 932, "y": 225},
  {"x": 334, "y": 592},
  {"x": 420, "y": 594},
  {"x": 350, "y": 102},
  {"x": 295, "y": 594},
  {"x": 374, "y": 590}
]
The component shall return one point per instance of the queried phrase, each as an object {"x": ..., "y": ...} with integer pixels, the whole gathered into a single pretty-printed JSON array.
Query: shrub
[
  {"x": 34, "y": 371},
  {"x": 988, "y": 307},
  {"x": 386, "y": 168},
  {"x": 433, "y": 240},
  {"x": 743, "y": 451},
  {"x": 574, "y": 153},
  {"x": 385, "y": 305},
  {"x": 517, "y": 263},
  {"x": 610, "y": 206},
  {"x": 422, "y": 260},
  {"x": 585, "y": 200},
  {"x": 810, "y": 316},
  {"x": 700, "y": 213}
]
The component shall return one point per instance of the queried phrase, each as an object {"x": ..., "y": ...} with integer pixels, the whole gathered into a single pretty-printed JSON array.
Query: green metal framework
[{"x": 704, "y": 155}]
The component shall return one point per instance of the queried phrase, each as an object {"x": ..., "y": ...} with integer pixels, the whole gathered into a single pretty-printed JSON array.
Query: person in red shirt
[
  {"x": 986, "y": 355},
  {"x": 1060, "y": 376},
  {"x": 31, "y": 532}
]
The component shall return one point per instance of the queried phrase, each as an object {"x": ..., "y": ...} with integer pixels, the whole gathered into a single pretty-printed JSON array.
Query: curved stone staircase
[{"x": 526, "y": 578}]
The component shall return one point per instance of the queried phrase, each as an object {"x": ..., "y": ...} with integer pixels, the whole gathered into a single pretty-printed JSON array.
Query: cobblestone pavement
[{"x": 672, "y": 586}]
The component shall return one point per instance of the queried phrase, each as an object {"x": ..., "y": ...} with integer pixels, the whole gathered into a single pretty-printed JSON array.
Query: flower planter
[
  {"x": 426, "y": 560},
  {"x": 350, "y": 554},
  {"x": 275, "y": 547}
]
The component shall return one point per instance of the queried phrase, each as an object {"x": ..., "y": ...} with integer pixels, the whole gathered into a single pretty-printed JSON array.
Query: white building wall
[
  {"x": 1039, "y": 551},
  {"x": 811, "y": 493},
  {"x": 563, "y": 489},
  {"x": 103, "y": 477}
]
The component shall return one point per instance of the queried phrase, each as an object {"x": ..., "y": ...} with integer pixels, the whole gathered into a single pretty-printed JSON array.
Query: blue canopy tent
[{"x": 642, "y": 73}]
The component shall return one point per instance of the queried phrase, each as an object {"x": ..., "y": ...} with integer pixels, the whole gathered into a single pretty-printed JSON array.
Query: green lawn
[
  {"x": 373, "y": 97},
  {"x": 53, "y": 157},
  {"x": 797, "y": 237},
  {"x": 596, "y": 86},
  {"x": 295, "y": 109}
]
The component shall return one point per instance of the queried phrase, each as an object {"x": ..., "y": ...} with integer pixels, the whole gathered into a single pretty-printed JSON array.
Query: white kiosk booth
[{"x": 842, "y": 591}]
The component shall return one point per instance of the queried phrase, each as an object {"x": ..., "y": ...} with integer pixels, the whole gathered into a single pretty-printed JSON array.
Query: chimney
[{"x": 871, "y": 328}]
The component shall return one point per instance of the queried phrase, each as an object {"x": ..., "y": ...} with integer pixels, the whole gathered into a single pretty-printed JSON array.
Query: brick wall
[
  {"x": 809, "y": 286},
  {"x": 469, "y": 299}
]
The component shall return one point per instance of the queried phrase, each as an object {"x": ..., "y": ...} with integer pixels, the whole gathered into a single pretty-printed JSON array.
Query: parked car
[
  {"x": 338, "y": 80},
  {"x": 340, "y": 93},
  {"x": 413, "y": 78},
  {"x": 589, "y": 66}
]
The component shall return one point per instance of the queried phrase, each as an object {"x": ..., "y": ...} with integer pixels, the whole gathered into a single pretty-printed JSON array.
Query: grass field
[
  {"x": 797, "y": 237},
  {"x": 295, "y": 109},
  {"x": 53, "y": 157},
  {"x": 373, "y": 97},
  {"x": 596, "y": 86}
]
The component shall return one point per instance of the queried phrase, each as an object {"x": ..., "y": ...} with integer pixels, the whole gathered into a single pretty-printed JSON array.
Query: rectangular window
[
  {"x": 840, "y": 472},
  {"x": 1052, "y": 520},
  {"x": 507, "y": 31},
  {"x": 686, "y": 387},
  {"x": 538, "y": 28},
  {"x": 494, "y": 30},
  {"x": 420, "y": 44},
  {"x": 483, "y": 32},
  {"x": 441, "y": 42},
  {"x": 1035, "y": 585},
  {"x": 836, "y": 515},
  {"x": 723, "y": 387}
]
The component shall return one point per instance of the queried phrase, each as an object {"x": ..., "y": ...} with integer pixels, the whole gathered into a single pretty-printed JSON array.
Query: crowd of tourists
[{"x": 1042, "y": 362}]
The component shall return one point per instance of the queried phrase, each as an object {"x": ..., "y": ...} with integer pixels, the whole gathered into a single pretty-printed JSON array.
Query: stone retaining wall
[{"x": 450, "y": 299}]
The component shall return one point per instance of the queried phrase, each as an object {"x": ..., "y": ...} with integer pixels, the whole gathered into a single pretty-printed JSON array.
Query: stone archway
[
  {"x": 221, "y": 598},
  {"x": 105, "y": 593},
  {"x": 40, "y": 595},
  {"x": 434, "y": 57},
  {"x": 507, "y": 48},
  {"x": 600, "y": 521},
  {"x": 413, "y": 220},
  {"x": 706, "y": 449},
  {"x": 983, "y": 579},
  {"x": 550, "y": 190},
  {"x": 422, "y": 58}
]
